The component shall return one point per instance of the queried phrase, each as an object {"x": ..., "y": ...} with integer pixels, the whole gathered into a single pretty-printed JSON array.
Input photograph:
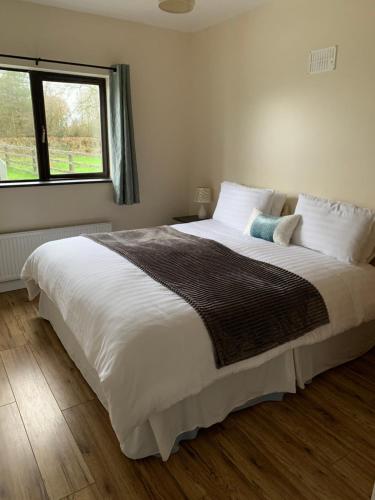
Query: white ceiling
[{"x": 206, "y": 12}]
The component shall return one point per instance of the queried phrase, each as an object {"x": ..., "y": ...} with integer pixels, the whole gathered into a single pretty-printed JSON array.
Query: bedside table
[{"x": 187, "y": 218}]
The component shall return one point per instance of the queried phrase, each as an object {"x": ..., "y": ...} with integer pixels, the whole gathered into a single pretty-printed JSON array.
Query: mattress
[{"x": 148, "y": 347}]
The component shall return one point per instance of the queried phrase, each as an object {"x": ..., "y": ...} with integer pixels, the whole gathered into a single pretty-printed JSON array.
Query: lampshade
[
  {"x": 202, "y": 195},
  {"x": 177, "y": 6}
]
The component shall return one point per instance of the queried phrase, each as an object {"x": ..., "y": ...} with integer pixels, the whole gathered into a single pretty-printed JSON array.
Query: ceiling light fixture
[{"x": 177, "y": 6}]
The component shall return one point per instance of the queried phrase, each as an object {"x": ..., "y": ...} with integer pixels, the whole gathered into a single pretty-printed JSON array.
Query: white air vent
[{"x": 323, "y": 60}]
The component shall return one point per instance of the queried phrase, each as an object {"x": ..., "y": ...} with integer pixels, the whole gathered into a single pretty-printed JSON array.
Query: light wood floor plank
[
  {"x": 207, "y": 459},
  {"x": 67, "y": 384},
  {"x": 301, "y": 461},
  {"x": 358, "y": 472},
  {"x": 18, "y": 304},
  {"x": 195, "y": 486},
  {"x": 328, "y": 415},
  {"x": 348, "y": 400},
  {"x": 115, "y": 475},
  {"x": 63, "y": 377},
  {"x": 59, "y": 459},
  {"x": 11, "y": 329},
  {"x": 89, "y": 493},
  {"x": 363, "y": 367},
  {"x": 20, "y": 478},
  {"x": 6, "y": 394},
  {"x": 325, "y": 451},
  {"x": 272, "y": 476},
  {"x": 150, "y": 470}
]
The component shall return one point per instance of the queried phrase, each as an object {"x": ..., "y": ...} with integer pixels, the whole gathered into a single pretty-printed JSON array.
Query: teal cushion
[
  {"x": 264, "y": 227},
  {"x": 277, "y": 230}
]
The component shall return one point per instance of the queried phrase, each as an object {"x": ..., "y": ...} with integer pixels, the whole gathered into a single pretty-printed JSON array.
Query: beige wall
[
  {"x": 232, "y": 102},
  {"x": 261, "y": 119},
  {"x": 159, "y": 69}
]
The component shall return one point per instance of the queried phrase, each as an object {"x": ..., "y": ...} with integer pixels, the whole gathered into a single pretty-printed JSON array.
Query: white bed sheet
[{"x": 149, "y": 348}]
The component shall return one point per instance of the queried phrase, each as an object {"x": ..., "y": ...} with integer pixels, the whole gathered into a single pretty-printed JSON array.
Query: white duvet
[{"x": 148, "y": 346}]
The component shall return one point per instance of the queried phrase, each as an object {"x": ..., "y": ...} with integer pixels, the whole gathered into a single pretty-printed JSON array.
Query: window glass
[
  {"x": 18, "y": 156},
  {"x": 73, "y": 127}
]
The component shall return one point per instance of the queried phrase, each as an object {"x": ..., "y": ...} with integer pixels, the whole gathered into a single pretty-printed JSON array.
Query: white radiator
[{"x": 15, "y": 248}]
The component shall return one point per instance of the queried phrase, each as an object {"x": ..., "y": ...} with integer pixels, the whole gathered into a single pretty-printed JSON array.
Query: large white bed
[{"x": 147, "y": 354}]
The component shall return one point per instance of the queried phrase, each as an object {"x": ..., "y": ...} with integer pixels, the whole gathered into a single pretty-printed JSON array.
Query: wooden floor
[{"x": 56, "y": 440}]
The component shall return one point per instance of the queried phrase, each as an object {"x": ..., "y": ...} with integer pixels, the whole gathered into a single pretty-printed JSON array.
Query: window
[{"x": 52, "y": 127}]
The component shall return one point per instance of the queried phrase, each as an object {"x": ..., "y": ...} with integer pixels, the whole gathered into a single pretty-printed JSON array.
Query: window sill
[{"x": 57, "y": 182}]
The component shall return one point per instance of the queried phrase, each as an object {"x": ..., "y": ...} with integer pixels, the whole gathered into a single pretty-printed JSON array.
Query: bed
[{"x": 146, "y": 353}]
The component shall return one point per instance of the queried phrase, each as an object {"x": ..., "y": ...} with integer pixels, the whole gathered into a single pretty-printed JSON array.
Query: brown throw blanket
[{"x": 248, "y": 306}]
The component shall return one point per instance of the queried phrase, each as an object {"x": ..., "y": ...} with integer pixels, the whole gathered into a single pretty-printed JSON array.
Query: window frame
[{"x": 40, "y": 129}]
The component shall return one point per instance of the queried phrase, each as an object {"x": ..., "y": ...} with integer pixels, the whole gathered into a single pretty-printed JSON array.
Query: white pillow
[
  {"x": 236, "y": 202},
  {"x": 278, "y": 202},
  {"x": 369, "y": 253},
  {"x": 277, "y": 230},
  {"x": 337, "y": 229}
]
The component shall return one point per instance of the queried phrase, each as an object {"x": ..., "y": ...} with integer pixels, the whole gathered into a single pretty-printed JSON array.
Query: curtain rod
[{"x": 37, "y": 60}]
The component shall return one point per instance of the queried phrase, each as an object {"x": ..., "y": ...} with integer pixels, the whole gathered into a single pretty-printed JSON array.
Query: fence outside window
[{"x": 22, "y": 160}]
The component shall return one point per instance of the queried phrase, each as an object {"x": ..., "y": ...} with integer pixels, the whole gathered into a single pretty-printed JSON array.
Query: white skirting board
[{"x": 9, "y": 286}]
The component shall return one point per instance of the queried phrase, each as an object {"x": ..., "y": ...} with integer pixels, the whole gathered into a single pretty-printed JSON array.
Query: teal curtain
[{"x": 123, "y": 157}]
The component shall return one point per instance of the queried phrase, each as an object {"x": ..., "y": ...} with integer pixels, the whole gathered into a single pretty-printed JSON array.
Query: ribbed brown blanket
[{"x": 248, "y": 306}]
